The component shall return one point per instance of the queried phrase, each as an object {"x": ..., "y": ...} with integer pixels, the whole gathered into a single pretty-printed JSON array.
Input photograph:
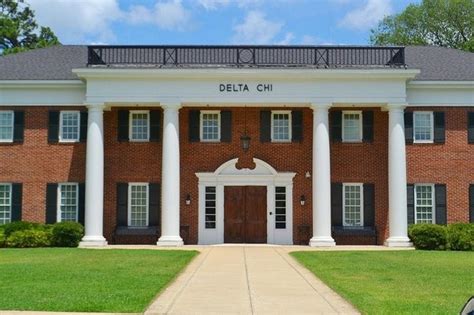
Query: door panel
[{"x": 245, "y": 214}]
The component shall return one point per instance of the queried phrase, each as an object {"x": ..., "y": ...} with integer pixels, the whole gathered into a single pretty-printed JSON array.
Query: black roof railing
[{"x": 246, "y": 56}]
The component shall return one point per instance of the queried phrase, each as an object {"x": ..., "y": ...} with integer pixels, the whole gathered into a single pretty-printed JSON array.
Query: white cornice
[
  {"x": 284, "y": 74},
  {"x": 41, "y": 83},
  {"x": 441, "y": 84}
]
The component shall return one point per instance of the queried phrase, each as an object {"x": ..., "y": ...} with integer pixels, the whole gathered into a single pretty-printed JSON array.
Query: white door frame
[{"x": 262, "y": 175}]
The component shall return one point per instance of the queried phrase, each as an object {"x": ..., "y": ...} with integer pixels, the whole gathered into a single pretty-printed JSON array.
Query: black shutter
[
  {"x": 122, "y": 204},
  {"x": 409, "y": 128},
  {"x": 194, "y": 118},
  {"x": 265, "y": 126},
  {"x": 51, "y": 202},
  {"x": 439, "y": 129},
  {"x": 82, "y": 203},
  {"x": 122, "y": 125},
  {"x": 368, "y": 125},
  {"x": 440, "y": 196},
  {"x": 19, "y": 126},
  {"x": 83, "y": 131},
  {"x": 296, "y": 125},
  {"x": 336, "y": 204},
  {"x": 335, "y": 121},
  {"x": 226, "y": 126},
  {"x": 154, "y": 204},
  {"x": 155, "y": 125},
  {"x": 470, "y": 127},
  {"x": 369, "y": 205},
  {"x": 411, "y": 203},
  {"x": 17, "y": 196},
  {"x": 53, "y": 127},
  {"x": 471, "y": 203}
]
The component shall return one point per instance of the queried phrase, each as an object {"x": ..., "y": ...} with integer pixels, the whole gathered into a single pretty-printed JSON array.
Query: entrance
[{"x": 245, "y": 214}]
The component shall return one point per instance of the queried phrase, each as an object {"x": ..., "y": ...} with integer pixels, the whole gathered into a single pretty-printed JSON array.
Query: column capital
[
  {"x": 171, "y": 106},
  {"x": 393, "y": 107},
  {"x": 95, "y": 106},
  {"x": 320, "y": 106}
]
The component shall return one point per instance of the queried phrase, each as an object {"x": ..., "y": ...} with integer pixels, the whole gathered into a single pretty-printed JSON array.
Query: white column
[
  {"x": 94, "y": 212},
  {"x": 397, "y": 179},
  {"x": 321, "y": 179},
  {"x": 170, "y": 192}
]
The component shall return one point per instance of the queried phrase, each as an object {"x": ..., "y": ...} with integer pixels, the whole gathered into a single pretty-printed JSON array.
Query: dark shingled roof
[{"x": 56, "y": 63}]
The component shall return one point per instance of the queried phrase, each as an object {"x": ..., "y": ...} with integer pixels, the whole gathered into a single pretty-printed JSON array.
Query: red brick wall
[{"x": 36, "y": 162}]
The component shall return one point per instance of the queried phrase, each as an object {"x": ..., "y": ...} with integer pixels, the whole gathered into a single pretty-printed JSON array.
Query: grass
[
  {"x": 396, "y": 282},
  {"x": 60, "y": 279}
]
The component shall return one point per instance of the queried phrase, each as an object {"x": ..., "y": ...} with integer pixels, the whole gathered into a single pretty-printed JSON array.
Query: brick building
[{"x": 236, "y": 144}]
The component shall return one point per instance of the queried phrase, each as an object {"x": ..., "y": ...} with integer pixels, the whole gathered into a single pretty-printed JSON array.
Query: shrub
[
  {"x": 28, "y": 238},
  {"x": 2, "y": 237},
  {"x": 461, "y": 236},
  {"x": 12, "y": 227},
  {"x": 428, "y": 236},
  {"x": 67, "y": 234}
]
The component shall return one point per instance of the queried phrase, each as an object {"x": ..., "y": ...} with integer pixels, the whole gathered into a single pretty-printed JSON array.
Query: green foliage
[
  {"x": 29, "y": 238},
  {"x": 12, "y": 227},
  {"x": 19, "y": 30},
  {"x": 461, "y": 236},
  {"x": 428, "y": 236},
  {"x": 67, "y": 234},
  {"x": 2, "y": 237},
  {"x": 446, "y": 23}
]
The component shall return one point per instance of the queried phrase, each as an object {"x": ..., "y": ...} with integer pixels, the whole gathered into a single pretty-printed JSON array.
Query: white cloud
[
  {"x": 213, "y": 4},
  {"x": 169, "y": 15},
  {"x": 309, "y": 40},
  {"x": 78, "y": 21},
  {"x": 368, "y": 15},
  {"x": 287, "y": 40},
  {"x": 256, "y": 29}
]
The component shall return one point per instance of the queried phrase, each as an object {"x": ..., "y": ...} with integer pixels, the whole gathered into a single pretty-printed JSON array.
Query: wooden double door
[{"x": 245, "y": 214}]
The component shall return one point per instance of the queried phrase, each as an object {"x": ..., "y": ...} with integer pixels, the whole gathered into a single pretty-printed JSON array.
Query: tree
[
  {"x": 446, "y": 23},
  {"x": 19, "y": 30}
]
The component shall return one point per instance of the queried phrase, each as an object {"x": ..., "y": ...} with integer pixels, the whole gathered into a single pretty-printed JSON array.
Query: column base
[
  {"x": 398, "y": 241},
  {"x": 322, "y": 241},
  {"x": 93, "y": 241},
  {"x": 170, "y": 241}
]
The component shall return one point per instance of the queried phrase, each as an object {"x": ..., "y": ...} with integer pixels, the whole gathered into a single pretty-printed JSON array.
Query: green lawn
[
  {"x": 59, "y": 279},
  {"x": 396, "y": 282}
]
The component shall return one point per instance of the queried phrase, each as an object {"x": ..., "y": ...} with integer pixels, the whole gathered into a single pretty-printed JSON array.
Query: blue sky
[{"x": 312, "y": 22}]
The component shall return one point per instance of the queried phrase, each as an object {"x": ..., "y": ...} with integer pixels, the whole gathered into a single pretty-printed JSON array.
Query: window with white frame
[
  {"x": 210, "y": 209},
  {"x": 280, "y": 207},
  {"x": 139, "y": 125},
  {"x": 423, "y": 127},
  {"x": 68, "y": 203},
  {"x": 351, "y": 126},
  {"x": 281, "y": 126},
  {"x": 424, "y": 203},
  {"x": 5, "y": 203},
  {"x": 69, "y": 126},
  {"x": 6, "y": 126},
  {"x": 210, "y": 128},
  {"x": 353, "y": 205},
  {"x": 138, "y": 205}
]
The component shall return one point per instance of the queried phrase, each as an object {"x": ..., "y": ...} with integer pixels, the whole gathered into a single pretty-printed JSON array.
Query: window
[
  {"x": 210, "y": 212},
  {"x": 68, "y": 202},
  {"x": 210, "y": 126},
  {"x": 280, "y": 207},
  {"x": 423, "y": 127},
  {"x": 281, "y": 126},
  {"x": 69, "y": 126},
  {"x": 353, "y": 205},
  {"x": 139, "y": 125},
  {"x": 5, "y": 203},
  {"x": 351, "y": 126},
  {"x": 138, "y": 205},
  {"x": 424, "y": 203},
  {"x": 6, "y": 126}
]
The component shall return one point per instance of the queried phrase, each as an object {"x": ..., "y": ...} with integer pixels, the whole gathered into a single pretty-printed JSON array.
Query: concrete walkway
[{"x": 248, "y": 280}]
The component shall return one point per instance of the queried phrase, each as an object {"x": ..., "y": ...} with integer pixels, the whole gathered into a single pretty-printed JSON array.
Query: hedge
[{"x": 456, "y": 236}]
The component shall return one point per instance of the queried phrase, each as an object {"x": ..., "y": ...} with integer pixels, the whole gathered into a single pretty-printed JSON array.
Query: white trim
[
  {"x": 284, "y": 112},
  {"x": 433, "y": 201},
  {"x": 60, "y": 134},
  {"x": 358, "y": 112},
  {"x": 130, "y": 126},
  {"x": 201, "y": 113},
  {"x": 361, "y": 185},
  {"x": 129, "y": 204},
  {"x": 10, "y": 186},
  {"x": 431, "y": 140},
  {"x": 58, "y": 202},
  {"x": 444, "y": 84},
  {"x": 13, "y": 126}
]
